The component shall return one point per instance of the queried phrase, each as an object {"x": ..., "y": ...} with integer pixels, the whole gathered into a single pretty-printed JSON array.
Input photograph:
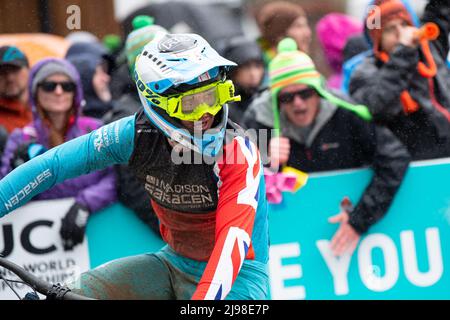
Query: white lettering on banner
[
  {"x": 435, "y": 261},
  {"x": 279, "y": 273},
  {"x": 338, "y": 267},
  {"x": 29, "y": 237},
  {"x": 369, "y": 273}
]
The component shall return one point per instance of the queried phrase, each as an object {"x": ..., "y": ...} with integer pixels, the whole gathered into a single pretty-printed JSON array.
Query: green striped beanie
[
  {"x": 291, "y": 66},
  {"x": 144, "y": 32}
]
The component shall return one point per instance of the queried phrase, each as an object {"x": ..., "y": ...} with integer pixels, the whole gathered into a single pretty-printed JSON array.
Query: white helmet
[{"x": 171, "y": 65}]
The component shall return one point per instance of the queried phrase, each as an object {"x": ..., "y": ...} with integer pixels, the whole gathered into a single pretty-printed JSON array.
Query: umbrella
[{"x": 37, "y": 46}]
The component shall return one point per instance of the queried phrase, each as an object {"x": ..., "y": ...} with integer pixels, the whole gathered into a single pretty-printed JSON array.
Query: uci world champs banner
[{"x": 29, "y": 237}]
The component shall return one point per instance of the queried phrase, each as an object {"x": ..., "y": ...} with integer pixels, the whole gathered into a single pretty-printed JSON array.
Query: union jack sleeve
[{"x": 239, "y": 175}]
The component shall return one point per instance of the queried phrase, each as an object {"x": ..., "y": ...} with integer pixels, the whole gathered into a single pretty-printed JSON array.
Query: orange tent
[{"x": 37, "y": 46}]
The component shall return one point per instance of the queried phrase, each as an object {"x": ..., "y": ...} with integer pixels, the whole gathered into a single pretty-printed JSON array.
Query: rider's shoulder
[
  {"x": 237, "y": 137},
  {"x": 143, "y": 125}
]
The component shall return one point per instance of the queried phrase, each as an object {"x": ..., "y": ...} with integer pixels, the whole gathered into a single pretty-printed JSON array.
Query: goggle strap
[{"x": 235, "y": 99}]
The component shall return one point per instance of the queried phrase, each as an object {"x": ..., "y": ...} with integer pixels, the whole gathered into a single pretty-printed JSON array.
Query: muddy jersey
[{"x": 213, "y": 212}]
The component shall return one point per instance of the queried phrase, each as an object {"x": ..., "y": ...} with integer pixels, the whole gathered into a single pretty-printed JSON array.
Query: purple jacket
[{"x": 95, "y": 190}]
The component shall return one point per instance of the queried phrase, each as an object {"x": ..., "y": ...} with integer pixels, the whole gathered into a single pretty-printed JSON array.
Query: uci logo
[{"x": 25, "y": 238}]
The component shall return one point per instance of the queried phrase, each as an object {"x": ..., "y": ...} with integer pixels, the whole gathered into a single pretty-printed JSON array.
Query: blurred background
[{"x": 213, "y": 19}]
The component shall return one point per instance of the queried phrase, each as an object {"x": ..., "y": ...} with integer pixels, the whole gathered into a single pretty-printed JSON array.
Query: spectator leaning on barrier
[
  {"x": 322, "y": 132},
  {"x": 15, "y": 111},
  {"x": 405, "y": 83},
  {"x": 130, "y": 190},
  {"x": 55, "y": 96},
  {"x": 93, "y": 63},
  {"x": 247, "y": 76},
  {"x": 333, "y": 30}
]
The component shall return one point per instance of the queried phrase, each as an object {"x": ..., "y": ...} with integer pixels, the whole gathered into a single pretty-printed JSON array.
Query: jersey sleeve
[
  {"x": 239, "y": 175},
  {"x": 108, "y": 145}
]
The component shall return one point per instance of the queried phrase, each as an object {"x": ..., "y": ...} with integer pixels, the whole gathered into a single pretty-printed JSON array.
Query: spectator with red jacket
[{"x": 15, "y": 111}]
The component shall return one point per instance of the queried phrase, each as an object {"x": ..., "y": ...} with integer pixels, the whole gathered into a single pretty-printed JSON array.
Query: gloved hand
[
  {"x": 25, "y": 152},
  {"x": 73, "y": 226}
]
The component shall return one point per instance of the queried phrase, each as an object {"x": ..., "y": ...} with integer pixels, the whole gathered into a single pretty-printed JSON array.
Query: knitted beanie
[
  {"x": 50, "y": 68},
  {"x": 385, "y": 11},
  {"x": 275, "y": 18},
  {"x": 144, "y": 32},
  {"x": 291, "y": 66}
]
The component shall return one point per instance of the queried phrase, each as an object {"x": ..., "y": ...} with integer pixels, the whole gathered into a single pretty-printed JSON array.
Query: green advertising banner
[{"x": 406, "y": 255}]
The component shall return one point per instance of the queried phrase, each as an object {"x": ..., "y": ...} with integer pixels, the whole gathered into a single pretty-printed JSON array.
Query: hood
[
  {"x": 78, "y": 98},
  {"x": 333, "y": 31},
  {"x": 86, "y": 66},
  {"x": 93, "y": 49},
  {"x": 79, "y": 91},
  {"x": 86, "y": 57}
]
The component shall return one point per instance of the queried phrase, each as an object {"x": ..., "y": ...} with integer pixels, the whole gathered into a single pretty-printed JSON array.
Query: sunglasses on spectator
[
  {"x": 50, "y": 86},
  {"x": 288, "y": 97}
]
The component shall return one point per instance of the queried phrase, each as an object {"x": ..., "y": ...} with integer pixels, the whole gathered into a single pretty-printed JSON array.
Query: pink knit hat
[{"x": 333, "y": 31}]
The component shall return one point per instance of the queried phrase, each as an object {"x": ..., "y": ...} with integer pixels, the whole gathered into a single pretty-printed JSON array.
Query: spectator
[
  {"x": 55, "y": 97},
  {"x": 360, "y": 47},
  {"x": 279, "y": 19},
  {"x": 247, "y": 76},
  {"x": 405, "y": 82},
  {"x": 322, "y": 132},
  {"x": 130, "y": 191},
  {"x": 355, "y": 50},
  {"x": 333, "y": 30},
  {"x": 113, "y": 44},
  {"x": 14, "y": 108},
  {"x": 93, "y": 63}
]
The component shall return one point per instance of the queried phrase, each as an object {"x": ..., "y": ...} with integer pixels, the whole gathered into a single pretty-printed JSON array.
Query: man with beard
[{"x": 14, "y": 109}]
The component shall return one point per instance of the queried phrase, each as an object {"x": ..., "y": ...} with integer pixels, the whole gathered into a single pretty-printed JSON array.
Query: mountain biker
[{"x": 212, "y": 213}]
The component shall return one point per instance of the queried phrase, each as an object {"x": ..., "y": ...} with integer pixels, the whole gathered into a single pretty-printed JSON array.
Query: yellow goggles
[{"x": 193, "y": 104}]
